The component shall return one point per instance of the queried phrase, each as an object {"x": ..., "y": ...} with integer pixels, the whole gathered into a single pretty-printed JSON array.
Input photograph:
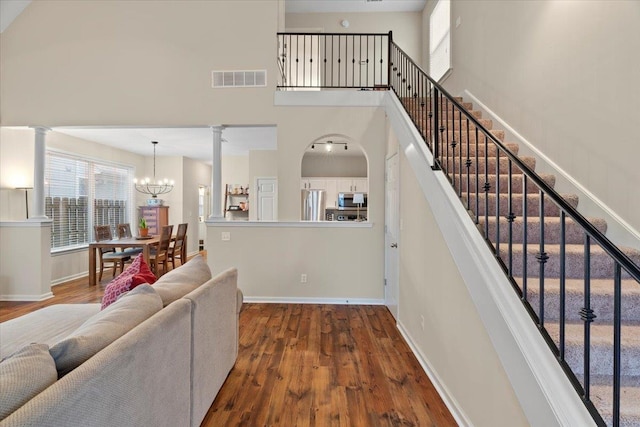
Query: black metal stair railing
[
  {"x": 532, "y": 230},
  {"x": 461, "y": 146}
]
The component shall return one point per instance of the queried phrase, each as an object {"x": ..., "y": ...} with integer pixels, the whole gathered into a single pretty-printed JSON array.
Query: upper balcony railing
[
  {"x": 333, "y": 60},
  {"x": 548, "y": 250}
]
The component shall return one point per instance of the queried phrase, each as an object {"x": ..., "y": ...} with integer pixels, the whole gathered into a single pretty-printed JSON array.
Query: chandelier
[{"x": 154, "y": 187}]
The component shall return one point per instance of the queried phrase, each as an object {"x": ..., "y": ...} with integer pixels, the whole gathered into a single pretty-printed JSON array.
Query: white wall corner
[
  {"x": 619, "y": 231},
  {"x": 545, "y": 394}
]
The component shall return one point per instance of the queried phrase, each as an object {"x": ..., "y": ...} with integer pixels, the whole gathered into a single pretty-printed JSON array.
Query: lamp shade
[{"x": 358, "y": 197}]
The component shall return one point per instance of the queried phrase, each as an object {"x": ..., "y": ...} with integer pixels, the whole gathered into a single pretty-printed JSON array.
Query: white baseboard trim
[
  {"x": 65, "y": 279},
  {"x": 616, "y": 226},
  {"x": 26, "y": 297},
  {"x": 450, "y": 402},
  {"x": 304, "y": 300}
]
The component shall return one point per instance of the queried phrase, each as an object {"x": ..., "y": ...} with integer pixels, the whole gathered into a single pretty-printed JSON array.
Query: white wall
[
  {"x": 334, "y": 165},
  {"x": 563, "y": 74},
  {"x": 136, "y": 62},
  {"x": 406, "y": 26},
  {"x": 453, "y": 339}
]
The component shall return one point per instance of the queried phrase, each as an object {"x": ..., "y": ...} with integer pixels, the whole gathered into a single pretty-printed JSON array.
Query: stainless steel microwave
[{"x": 346, "y": 200}]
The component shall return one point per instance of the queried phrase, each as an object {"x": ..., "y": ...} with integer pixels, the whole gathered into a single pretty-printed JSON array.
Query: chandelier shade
[{"x": 153, "y": 187}]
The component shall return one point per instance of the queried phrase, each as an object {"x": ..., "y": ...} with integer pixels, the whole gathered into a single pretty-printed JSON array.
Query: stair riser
[
  {"x": 480, "y": 150},
  {"x": 602, "y": 266},
  {"x": 601, "y": 304},
  {"x": 481, "y": 166},
  {"x": 552, "y": 231},
  {"x": 516, "y": 183},
  {"x": 451, "y": 122},
  {"x": 601, "y": 359},
  {"x": 533, "y": 208},
  {"x": 471, "y": 136}
]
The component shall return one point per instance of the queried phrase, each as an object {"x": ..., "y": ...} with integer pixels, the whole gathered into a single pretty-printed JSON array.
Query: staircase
[{"x": 506, "y": 207}]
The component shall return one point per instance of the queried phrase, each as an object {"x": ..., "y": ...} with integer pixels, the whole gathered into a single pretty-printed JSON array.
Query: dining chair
[
  {"x": 160, "y": 255},
  {"x": 109, "y": 255},
  {"x": 124, "y": 231},
  {"x": 177, "y": 249}
]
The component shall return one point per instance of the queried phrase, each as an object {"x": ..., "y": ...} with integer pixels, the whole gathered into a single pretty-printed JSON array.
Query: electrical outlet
[
  {"x": 303, "y": 278},
  {"x": 226, "y": 236},
  {"x": 422, "y": 321}
]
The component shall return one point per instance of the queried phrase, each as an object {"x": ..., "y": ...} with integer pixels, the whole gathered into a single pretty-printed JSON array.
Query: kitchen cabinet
[
  {"x": 351, "y": 185},
  {"x": 156, "y": 217}
]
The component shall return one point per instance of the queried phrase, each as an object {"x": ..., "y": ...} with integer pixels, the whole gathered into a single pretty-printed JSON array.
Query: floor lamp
[{"x": 26, "y": 198}]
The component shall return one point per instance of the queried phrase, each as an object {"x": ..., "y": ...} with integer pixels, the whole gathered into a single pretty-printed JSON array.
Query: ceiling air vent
[{"x": 247, "y": 78}]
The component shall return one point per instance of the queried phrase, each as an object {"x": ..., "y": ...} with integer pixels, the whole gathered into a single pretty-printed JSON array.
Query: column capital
[{"x": 40, "y": 129}]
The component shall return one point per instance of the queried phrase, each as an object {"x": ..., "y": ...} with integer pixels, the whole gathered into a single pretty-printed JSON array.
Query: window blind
[
  {"x": 440, "y": 40},
  {"x": 82, "y": 192}
]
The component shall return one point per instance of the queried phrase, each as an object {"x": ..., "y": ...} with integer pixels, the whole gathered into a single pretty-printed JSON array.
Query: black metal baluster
[
  {"x": 368, "y": 60},
  {"x": 542, "y": 258},
  {"x": 563, "y": 299},
  {"x": 468, "y": 164},
  {"x": 487, "y": 187},
  {"x": 332, "y": 57},
  {"x": 381, "y": 59},
  {"x": 434, "y": 126},
  {"x": 460, "y": 153},
  {"x": 339, "y": 60},
  {"x": 511, "y": 216},
  {"x": 360, "y": 62},
  {"x": 497, "y": 193},
  {"x": 445, "y": 120},
  {"x": 324, "y": 77},
  {"x": 617, "y": 342},
  {"x": 477, "y": 211},
  {"x": 525, "y": 237},
  {"x": 587, "y": 316}
]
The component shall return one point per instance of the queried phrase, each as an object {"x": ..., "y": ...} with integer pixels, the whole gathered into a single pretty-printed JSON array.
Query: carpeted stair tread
[
  {"x": 481, "y": 164},
  {"x": 602, "y": 398},
  {"x": 451, "y": 134},
  {"x": 601, "y": 349},
  {"x": 601, "y": 298},
  {"x": 602, "y": 265},
  {"x": 516, "y": 182},
  {"x": 574, "y": 234},
  {"x": 480, "y": 149},
  {"x": 533, "y": 204}
]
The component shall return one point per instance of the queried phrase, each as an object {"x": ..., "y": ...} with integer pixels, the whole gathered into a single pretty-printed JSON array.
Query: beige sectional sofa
[{"x": 166, "y": 370}]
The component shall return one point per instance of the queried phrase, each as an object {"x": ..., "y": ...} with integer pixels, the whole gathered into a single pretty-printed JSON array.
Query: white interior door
[
  {"x": 392, "y": 234},
  {"x": 267, "y": 199}
]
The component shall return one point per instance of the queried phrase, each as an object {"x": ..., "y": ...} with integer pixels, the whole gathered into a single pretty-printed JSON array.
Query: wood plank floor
[
  {"x": 325, "y": 365},
  {"x": 307, "y": 365}
]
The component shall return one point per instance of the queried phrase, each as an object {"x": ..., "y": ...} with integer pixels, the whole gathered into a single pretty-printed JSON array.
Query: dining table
[{"x": 126, "y": 242}]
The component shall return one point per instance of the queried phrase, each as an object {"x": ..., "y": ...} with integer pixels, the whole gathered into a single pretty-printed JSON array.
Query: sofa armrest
[{"x": 215, "y": 339}]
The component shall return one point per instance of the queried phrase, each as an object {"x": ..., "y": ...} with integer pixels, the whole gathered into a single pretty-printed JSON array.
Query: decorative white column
[
  {"x": 38, "y": 174},
  {"x": 216, "y": 175}
]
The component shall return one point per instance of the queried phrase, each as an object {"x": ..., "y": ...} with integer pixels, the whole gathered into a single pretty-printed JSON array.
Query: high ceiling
[{"x": 195, "y": 142}]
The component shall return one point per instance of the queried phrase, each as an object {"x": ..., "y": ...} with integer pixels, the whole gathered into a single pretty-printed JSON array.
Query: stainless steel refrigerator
[{"x": 313, "y": 205}]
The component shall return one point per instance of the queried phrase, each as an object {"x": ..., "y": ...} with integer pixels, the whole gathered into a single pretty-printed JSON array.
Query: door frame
[{"x": 391, "y": 254}]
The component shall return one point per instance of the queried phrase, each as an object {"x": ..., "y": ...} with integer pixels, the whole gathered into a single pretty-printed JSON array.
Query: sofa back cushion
[
  {"x": 182, "y": 280},
  {"x": 105, "y": 327},
  {"x": 23, "y": 375}
]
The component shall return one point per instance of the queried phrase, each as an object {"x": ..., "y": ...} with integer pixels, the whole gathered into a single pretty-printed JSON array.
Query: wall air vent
[
  {"x": 247, "y": 78},
  {"x": 373, "y": 1}
]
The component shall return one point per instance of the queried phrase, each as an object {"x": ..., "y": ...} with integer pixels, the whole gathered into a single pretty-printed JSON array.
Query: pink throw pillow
[{"x": 136, "y": 274}]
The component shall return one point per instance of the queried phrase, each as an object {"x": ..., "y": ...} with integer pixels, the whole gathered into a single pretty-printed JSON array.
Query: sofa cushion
[
  {"x": 105, "y": 327},
  {"x": 23, "y": 375},
  {"x": 182, "y": 280},
  {"x": 135, "y": 274},
  {"x": 47, "y": 325}
]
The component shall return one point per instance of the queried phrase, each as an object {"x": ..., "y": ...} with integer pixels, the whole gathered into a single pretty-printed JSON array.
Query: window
[
  {"x": 440, "y": 40},
  {"x": 81, "y": 193}
]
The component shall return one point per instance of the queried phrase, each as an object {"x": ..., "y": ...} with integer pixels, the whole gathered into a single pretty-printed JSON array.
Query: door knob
[{"x": 394, "y": 245}]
